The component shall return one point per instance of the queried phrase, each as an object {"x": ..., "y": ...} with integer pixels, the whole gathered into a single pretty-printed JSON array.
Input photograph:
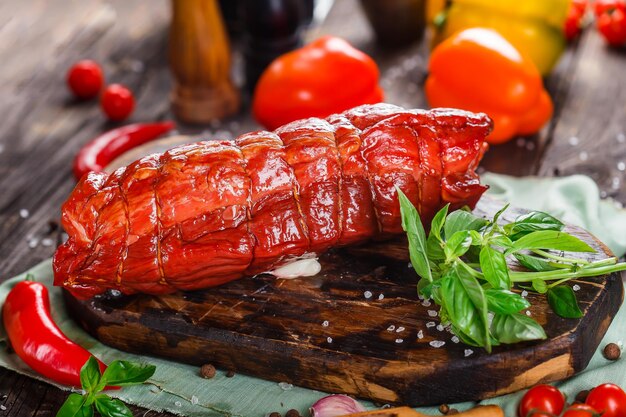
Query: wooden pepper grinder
[
  {"x": 271, "y": 28},
  {"x": 199, "y": 56}
]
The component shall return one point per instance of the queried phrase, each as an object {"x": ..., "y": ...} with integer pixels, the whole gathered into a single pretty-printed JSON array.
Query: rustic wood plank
[
  {"x": 359, "y": 320},
  {"x": 590, "y": 135}
]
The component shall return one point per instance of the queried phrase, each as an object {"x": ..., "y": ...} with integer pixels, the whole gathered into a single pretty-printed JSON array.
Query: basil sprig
[
  {"x": 462, "y": 265},
  {"x": 118, "y": 374}
]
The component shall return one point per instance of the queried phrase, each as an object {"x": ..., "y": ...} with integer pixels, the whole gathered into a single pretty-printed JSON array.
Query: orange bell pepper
[
  {"x": 324, "y": 77},
  {"x": 480, "y": 71}
]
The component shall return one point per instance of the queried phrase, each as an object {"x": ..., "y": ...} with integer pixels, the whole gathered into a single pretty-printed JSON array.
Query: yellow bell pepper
[{"x": 534, "y": 27}]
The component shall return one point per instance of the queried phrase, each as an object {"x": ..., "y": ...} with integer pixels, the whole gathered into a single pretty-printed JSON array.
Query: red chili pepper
[
  {"x": 36, "y": 338},
  {"x": 98, "y": 153},
  {"x": 611, "y": 21}
]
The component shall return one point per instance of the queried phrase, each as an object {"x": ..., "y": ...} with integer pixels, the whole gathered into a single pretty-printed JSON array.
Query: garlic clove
[{"x": 335, "y": 405}]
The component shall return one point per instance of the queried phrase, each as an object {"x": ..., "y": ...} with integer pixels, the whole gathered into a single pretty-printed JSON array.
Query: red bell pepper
[{"x": 324, "y": 77}]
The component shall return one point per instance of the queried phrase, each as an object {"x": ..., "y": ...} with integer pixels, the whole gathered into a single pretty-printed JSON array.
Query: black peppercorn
[
  {"x": 612, "y": 352},
  {"x": 207, "y": 371}
]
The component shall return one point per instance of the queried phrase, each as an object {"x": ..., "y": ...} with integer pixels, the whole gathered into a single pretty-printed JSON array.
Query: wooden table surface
[{"x": 42, "y": 127}]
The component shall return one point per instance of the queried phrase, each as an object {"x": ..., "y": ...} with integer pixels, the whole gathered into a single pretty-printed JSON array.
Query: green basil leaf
[
  {"x": 434, "y": 249},
  {"x": 496, "y": 216},
  {"x": 109, "y": 407},
  {"x": 424, "y": 288},
  {"x": 563, "y": 301},
  {"x": 436, "y": 225},
  {"x": 477, "y": 295},
  {"x": 550, "y": 239},
  {"x": 531, "y": 222},
  {"x": 540, "y": 286},
  {"x": 457, "y": 244},
  {"x": 477, "y": 238},
  {"x": 412, "y": 225},
  {"x": 513, "y": 328},
  {"x": 465, "y": 318},
  {"x": 504, "y": 301},
  {"x": 534, "y": 263},
  {"x": 74, "y": 406},
  {"x": 124, "y": 373},
  {"x": 501, "y": 241},
  {"x": 494, "y": 267},
  {"x": 90, "y": 374},
  {"x": 461, "y": 220}
]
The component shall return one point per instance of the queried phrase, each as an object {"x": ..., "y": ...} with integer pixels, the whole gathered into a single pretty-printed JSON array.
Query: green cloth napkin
[{"x": 181, "y": 391}]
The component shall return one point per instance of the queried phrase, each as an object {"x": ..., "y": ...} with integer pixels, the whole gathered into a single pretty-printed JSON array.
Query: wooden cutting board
[{"x": 358, "y": 327}]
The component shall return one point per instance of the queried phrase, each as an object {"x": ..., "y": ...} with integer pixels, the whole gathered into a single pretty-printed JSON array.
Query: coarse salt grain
[
  {"x": 455, "y": 339},
  {"x": 431, "y": 324},
  {"x": 33, "y": 242},
  {"x": 467, "y": 352},
  {"x": 325, "y": 323},
  {"x": 391, "y": 328},
  {"x": 285, "y": 386},
  {"x": 432, "y": 313},
  {"x": 381, "y": 296},
  {"x": 420, "y": 334},
  {"x": 194, "y": 400},
  {"x": 576, "y": 287},
  {"x": 426, "y": 303},
  {"x": 367, "y": 294},
  {"x": 573, "y": 141},
  {"x": 399, "y": 329},
  {"x": 178, "y": 404},
  {"x": 440, "y": 327},
  {"x": 583, "y": 156},
  {"x": 621, "y": 166},
  {"x": 528, "y": 312},
  {"x": 399, "y": 340},
  {"x": 615, "y": 183},
  {"x": 524, "y": 294},
  {"x": 329, "y": 339},
  {"x": 47, "y": 242},
  {"x": 24, "y": 213},
  {"x": 437, "y": 343}
]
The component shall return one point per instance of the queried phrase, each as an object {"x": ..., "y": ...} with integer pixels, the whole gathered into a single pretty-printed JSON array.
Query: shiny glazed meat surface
[{"x": 204, "y": 214}]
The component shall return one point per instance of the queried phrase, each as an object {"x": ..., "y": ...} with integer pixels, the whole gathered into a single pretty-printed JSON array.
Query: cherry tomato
[
  {"x": 117, "y": 102},
  {"x": 580, "y": 410},
  {"x": 603, "y": 6},
  {"x": 608, "y": 399},
  {"x": 544, "y": 398},
  {"x": 571, "y": 29},
  {"x": 612, "y": 25},
  {"x": 85, "y": 79}
]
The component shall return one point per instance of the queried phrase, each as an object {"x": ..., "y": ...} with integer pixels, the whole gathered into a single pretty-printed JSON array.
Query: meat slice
[
  {"x": 358, "y": 220},
  {"x": 276, "y": 221},
  {"x": 202, "y": 198},
  {"x": 204, "y": 214},
  {"x": 312, "y": 152}
]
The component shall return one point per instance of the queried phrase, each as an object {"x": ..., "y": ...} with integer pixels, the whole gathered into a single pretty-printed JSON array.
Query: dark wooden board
[{"x": 334, "y": 332}]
